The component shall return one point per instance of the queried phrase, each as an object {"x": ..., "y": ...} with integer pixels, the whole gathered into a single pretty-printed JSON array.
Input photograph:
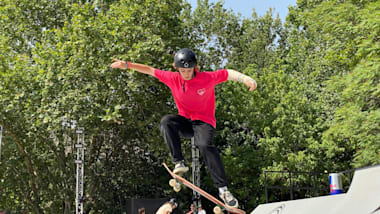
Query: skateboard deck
[{"x": 178, "y": 180}]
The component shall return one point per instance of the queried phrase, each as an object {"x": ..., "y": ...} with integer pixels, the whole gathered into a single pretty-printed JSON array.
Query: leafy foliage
[{"x": 316, "y": 107}]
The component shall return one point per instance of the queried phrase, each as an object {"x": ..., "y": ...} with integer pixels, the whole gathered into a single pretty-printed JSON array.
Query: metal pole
[
  {"x": 291, "y": 185},
  {"x": 80, "y": 171},
  {"x": 315, "y": 185},
  {"x": 196, "y": 174},
  {"x": 1, "y": 134},
  {"x": 266, "y": 187}
]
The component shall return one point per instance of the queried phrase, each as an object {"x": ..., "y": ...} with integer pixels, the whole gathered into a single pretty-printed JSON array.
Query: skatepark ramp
[{"x": 363, "y": 197}]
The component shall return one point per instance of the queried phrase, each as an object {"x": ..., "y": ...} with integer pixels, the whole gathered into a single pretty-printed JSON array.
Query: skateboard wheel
[
  {"x": 172, "y": 182},
  {"x": 217, "y": 210},
  {"x": 177, "y": 188}
]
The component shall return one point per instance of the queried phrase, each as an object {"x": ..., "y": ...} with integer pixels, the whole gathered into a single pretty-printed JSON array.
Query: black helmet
[{"x": 185, "y": 58}]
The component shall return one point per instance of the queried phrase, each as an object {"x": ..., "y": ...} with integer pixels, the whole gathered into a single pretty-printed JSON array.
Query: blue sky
[{"x": 245, "y": 7}]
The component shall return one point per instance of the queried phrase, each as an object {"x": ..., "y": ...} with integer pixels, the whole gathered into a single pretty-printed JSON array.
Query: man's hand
[
  {"x": 119, "y": 64},
  {"x": 251, "y": 83}
]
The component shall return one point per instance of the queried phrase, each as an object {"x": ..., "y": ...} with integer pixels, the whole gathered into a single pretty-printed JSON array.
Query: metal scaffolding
[
  {"x": 1, "y": 135},
  {"x": 80, "y": 171},
  {"x": 196, "y": 174}
]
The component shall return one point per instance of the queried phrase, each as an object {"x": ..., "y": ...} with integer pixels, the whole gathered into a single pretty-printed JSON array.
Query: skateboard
[{"x": 220, "y": 206}]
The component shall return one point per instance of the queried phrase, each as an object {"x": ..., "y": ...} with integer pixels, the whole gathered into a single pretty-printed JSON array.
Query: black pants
[{"x": 175, "y": 126}]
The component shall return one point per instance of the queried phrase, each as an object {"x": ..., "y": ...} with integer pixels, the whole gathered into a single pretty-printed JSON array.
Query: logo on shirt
[{"x": 201, "y": 91}]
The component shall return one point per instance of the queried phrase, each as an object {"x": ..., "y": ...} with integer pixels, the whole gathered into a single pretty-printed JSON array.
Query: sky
[{"x": 261, "y": 6}]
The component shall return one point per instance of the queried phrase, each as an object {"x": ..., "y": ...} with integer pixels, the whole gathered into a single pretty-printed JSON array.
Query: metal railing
[{"x": 291, "y": 176}]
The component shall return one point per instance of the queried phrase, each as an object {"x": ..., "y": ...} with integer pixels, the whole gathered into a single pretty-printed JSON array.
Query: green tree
[
  {"x": 354, "y": 125},
  {"x": 316, "y": 107},
  {"x": 64, "y": 78}
]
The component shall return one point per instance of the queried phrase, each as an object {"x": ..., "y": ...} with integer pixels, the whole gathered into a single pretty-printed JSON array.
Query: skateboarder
[{"x": 194, "y": 95}]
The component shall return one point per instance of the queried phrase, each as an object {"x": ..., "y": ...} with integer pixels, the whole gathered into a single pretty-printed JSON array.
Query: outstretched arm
[
  {"x": 237, "y": 76},
  {"x": 135, "y": 66}
]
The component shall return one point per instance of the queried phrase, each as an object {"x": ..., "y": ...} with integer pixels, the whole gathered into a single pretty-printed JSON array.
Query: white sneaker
[
  {"x": 180, "y": 168},
  {"x": 229, "y": 199}
]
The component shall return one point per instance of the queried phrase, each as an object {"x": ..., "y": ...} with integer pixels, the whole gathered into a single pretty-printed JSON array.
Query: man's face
[{"x": 186, "y": 73}]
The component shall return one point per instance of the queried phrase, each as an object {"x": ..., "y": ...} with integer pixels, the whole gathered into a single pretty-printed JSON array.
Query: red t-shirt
[{"x": 195, "y": 98}]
